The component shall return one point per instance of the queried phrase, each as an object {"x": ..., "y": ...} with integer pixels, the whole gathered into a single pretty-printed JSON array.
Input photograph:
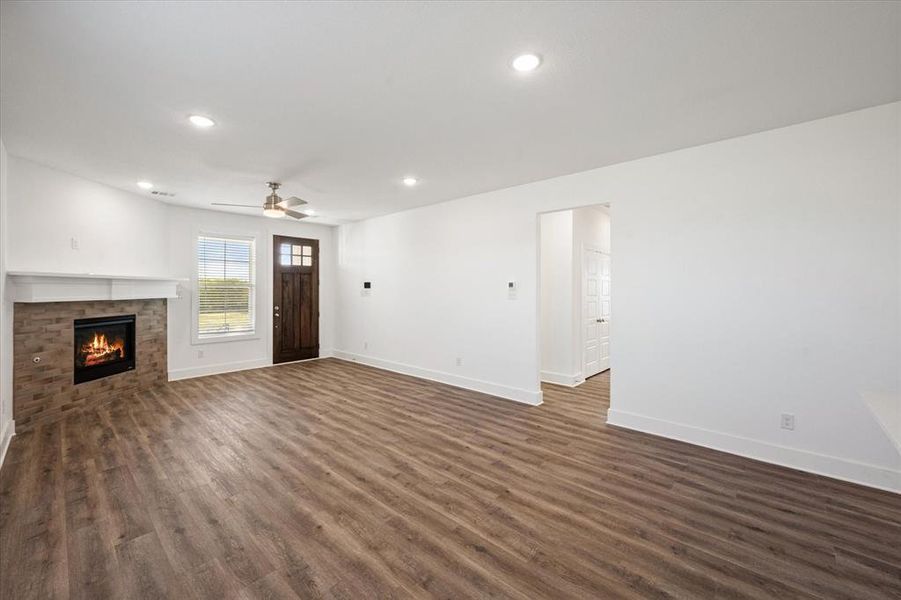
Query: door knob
[{"x": 275, "y": 308}]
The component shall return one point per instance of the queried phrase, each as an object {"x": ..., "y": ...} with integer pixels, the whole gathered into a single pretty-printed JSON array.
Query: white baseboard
[
  {"x": 257, "y": 363},
  {"x": 562, "y": 379},
  {"x": 820, "y": 464},
  {"x": 486, "y": 387},
  {"x": 6, "y": 436},
  {"x": 202, "y": 371}
]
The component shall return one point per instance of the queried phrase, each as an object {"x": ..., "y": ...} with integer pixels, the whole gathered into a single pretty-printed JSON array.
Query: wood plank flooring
[{"x": 329, "y": 479}]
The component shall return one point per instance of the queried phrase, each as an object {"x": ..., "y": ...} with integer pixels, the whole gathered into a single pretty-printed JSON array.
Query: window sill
[{"x": 219, "y": 339}]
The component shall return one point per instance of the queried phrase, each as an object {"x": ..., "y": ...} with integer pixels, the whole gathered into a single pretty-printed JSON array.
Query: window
[
  {"x": 225, "y": 287},
  {"x": 295, "y": 255}
]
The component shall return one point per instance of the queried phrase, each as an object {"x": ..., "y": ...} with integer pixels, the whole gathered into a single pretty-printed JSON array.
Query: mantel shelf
[
  {"x": 52, "y": 275},
  {"x": 44, "y": 286}
]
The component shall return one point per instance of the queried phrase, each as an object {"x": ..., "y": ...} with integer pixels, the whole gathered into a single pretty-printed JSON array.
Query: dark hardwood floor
[{"x": 330, "y": 479}]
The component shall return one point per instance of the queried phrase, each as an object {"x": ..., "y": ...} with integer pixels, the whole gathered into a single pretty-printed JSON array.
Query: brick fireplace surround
[{"x": 44, "y": 392}]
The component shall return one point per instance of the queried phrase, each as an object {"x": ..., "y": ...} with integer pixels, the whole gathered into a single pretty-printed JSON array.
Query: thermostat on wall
[
  {"x": 511, "y": 290},
  {"x": 367, "y": 285}
]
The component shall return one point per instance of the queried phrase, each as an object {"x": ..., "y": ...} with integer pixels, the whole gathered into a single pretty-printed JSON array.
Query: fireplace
[{"x": 104, "y": 346}]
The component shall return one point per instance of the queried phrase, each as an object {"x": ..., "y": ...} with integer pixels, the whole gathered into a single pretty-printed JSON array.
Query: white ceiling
[{"x": 339, "y": 100}]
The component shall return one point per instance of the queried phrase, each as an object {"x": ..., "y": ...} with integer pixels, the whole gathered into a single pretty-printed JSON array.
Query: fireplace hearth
[{"x": 104, "y": 346}]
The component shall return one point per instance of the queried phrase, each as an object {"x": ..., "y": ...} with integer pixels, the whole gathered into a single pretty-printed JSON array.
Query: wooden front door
[{"x": 295, "y": 299}]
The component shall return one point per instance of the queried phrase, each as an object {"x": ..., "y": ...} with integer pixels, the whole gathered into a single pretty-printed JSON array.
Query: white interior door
[{"x": 595, "y": 312}]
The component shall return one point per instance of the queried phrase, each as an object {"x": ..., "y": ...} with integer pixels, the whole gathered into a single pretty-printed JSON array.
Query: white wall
[
  {"x": 184, "y": 226},
  {"x": 122, "y": 233},
  {"x": 7, "y": 426},
  {"x": 117, "y": 232},
  {"x": 753, "y": 276},
  {"x": 440, "y": 293},
  {"x": 557, "y": 302}
]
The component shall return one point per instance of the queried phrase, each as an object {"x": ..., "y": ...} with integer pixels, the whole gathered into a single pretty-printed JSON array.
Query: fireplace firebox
[{"x": 104, "y": 346}]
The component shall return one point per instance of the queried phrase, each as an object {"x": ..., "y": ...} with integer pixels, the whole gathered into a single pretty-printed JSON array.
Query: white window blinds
[{"x": 225, "y": 287}]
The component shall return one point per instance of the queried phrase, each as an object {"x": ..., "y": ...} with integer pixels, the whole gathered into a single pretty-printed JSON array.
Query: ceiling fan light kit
[{"x": 275, "y": 207}]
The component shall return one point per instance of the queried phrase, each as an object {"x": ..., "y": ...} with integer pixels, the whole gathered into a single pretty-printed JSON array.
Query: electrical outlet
[
  {"x": 459, "y": 361},
  {"x": 200, "y": 354},
  {"x": 74, "y": 243},
  {"x": 788, "y": 421},
  {"x": 365, "y": 345}
]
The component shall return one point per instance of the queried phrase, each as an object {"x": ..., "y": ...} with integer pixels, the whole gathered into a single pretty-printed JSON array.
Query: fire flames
[{"x": 100, "y": 350}]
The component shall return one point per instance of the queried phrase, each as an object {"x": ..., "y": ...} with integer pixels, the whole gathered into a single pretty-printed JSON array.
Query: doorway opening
[{"x": 575, "y": 295}]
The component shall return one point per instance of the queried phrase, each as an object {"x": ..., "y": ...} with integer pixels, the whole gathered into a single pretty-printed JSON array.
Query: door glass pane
[
  {"x": 308, "y": 251},
  {"x": 308, "y": 261},
  {"x": 296, "y": 250},
  {"x": 284, "y": 254},
  {"x": 295, "y": 260}
]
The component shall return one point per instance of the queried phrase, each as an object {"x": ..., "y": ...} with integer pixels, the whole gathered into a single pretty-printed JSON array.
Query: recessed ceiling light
[
  {"x": 145, "y": 185},
  {"x": 526, "y": 62},
  {"x": 201, "y": 121},
  {"x": 410, "y": 181}
]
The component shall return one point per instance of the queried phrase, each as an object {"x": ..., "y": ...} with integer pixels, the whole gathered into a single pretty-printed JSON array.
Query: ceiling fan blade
[
  {"x": 295, "y": 214},
  {"x": 292, "y": 201},
  {"x": 241, "y": 205}
]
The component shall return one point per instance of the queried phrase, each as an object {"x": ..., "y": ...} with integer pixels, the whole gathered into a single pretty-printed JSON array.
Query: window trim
[{"x": 195, "y": 292}]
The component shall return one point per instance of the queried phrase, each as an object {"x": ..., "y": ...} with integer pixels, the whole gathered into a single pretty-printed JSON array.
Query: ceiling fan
[{"x": 274, "y": 207}]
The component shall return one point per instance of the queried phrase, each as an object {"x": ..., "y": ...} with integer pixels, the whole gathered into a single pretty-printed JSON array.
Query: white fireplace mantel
[{"x": 36, "y": 286}]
